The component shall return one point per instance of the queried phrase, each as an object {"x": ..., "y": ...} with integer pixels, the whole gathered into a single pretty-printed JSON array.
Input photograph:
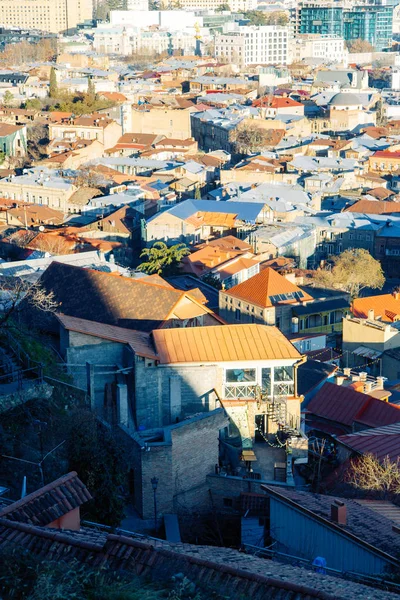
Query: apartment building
[
  {"x": 91, "y": 127},
  {"x": 247, "y": 45},
  {"x": 234, "y": 5},
  {"x": 328, "y": 48},
  {"x": 54, "y": 16}
]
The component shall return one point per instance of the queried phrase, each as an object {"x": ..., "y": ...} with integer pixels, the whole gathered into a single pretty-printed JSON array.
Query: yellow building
[{"x": 54, "y": 16}]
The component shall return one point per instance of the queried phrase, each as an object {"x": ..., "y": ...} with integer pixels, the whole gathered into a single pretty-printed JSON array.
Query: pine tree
[
  {"x": 197, "y": 193},
  {"x": 53, "y": 88}
]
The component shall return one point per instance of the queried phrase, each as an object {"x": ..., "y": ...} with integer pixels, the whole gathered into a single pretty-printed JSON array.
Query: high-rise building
[
  {"x": 234, "y": 5},
  {"x": 371, "y": 21},
  {"x": 54, "y": 16},
  {"x": 248, "y": 45},
  {"x": 317, "y": 17}
]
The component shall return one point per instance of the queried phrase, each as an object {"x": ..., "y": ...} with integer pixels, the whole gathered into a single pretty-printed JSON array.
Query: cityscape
[{"x": 199, "y": 299}]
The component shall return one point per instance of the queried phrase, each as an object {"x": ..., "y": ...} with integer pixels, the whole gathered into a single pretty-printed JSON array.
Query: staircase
[
  {"x": 17, "y": 369},
  {"x": 278, "y": 413}
]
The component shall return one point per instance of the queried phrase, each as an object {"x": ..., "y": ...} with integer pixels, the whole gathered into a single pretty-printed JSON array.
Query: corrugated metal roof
[
  {"x": 344, "y": 405},
  {"x": 228, "y": 343}
]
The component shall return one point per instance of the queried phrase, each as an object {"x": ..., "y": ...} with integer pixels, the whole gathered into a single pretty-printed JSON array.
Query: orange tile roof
[
  {"x": 259, "y": 289},
  {"x": 386, "y": 307},
  {"x": 222, "y": 343},
  {"x": 374, "y": 207},
  {"x": 207, "y": 258},
  {"x": 212, "y": 219},
  {"x": 228, "y": 242},
  {"x": 237, "y": 265}
]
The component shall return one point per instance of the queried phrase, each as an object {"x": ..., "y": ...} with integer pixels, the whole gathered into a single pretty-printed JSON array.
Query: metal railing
[{"x": 17, "y": 379}]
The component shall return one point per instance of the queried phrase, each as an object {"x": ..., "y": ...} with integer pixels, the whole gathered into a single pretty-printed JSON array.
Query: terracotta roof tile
[
  {"x": 48, "y": 503},
  {"x": 374, "y": 207},
  {"x": 225, "y": 343},
  {"x": 260, "y": 288}
]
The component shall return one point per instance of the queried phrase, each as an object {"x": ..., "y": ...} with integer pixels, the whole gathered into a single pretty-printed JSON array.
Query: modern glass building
[
  {"x": 372, "y": 21},
  {"x": 325, "y": 19}
]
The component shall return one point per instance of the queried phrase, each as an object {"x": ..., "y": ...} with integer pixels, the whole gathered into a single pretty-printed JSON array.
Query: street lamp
[{"x": 154, "y": 483}]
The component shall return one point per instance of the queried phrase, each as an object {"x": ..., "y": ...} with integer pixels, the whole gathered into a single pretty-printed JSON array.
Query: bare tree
[
  {"x": 16, "y": 295},
  {"x": 249, "y": 138},
  {"x": 352, "y": 271},
  {"x": 87, "y": 176},
  {"x": 367, "y": 473}
]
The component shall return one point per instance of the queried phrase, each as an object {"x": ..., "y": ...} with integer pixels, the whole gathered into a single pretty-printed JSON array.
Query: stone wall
[{"x": 183, "y": 458}]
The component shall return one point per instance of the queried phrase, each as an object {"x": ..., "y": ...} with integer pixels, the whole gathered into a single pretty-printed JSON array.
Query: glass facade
[
  {"x": 371, "y": 22},
  {"x": 327, "y": 20}
]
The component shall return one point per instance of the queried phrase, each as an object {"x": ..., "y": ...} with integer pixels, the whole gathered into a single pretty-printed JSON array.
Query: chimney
[
  {"x": 338, "y": 512},
  {"x": 367, "y": 387},
  {"x": 347, "y": 371},
  {"x": 340, "y": 379},
  {"x": 363, "y": 376},
  {"x": 371, "y": 314},
  {"x": 380, "y": 383},
  {"x": 396, "y": 295}
]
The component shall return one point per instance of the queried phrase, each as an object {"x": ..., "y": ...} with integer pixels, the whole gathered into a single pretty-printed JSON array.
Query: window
[
  {"x": 240, "y": 376},
  {"x": 283, "y": 373},
  {"x": 237, "y": 314},
  {"x": 266, "y": 380}
]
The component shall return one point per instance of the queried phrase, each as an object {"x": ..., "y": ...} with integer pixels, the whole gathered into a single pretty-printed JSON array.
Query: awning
[{"x": 367, "y": 352}]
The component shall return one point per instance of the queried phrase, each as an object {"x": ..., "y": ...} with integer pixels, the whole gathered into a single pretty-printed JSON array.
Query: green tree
[
  {"x": 99, "y": 458},
  {"x": 256, "y": 17},
  {"x": 162, "y": 259},
  {"x": 277, "y": 17},
  {"x": 8, "y": 99},
  {"x": 53, "y": 87},
  {"x": 352, "y": 271},
  {"x": 33, "y": 104},
  {"x": 197, "y": 193},
  {"x": 223, "y": 7},
  {"x": 91, "y": 92}
]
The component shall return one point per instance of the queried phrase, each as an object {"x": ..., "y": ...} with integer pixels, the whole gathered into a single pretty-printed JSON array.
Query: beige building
[
  {"x": 38, "y": 187},
  {"x": 171, "y": 122},
  {"x": 92, "y": 127},
  {"x": 366, "y": 341},
  {"x": 54, "y": 16}
]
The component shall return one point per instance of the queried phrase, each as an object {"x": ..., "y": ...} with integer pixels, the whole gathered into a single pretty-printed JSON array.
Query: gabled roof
[
  {"x": 379, "y": 441},
  {"x": 385, "y": 306},
  {"x": 226, "y": 343},
  {"x": 49, "y": 503},
  {"x": 112, "y": 299},
  {"x": 139, "y": 341},
  {"x": 365, "y": 525},
  {"x": 346, "y": 406},
  {"x": 267, "y": 289},
  {"x": 374, "y": 207}
]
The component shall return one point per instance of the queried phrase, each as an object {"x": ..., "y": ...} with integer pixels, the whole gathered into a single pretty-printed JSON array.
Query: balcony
[{"x": 252, "y": 391}]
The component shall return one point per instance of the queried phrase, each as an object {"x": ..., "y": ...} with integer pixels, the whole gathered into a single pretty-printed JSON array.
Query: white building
[
  {"x": 138, "y": 4},
  {"x": 234, "y": 5},
  {"x": 170, "y": 19},
  {"x": 327, "y": 48},
  {"x": 124, "y": 41},
  {"x": 268, "y": 44}
]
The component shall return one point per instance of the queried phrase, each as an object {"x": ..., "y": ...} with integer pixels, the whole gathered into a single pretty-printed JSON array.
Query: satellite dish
[{"x": 41, "y": 228}]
